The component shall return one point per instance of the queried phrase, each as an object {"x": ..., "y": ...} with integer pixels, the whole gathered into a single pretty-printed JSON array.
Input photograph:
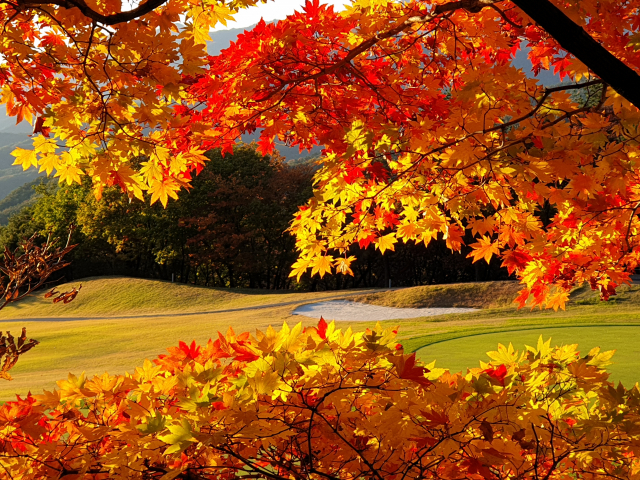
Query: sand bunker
[{"x": 362, "y": 312}]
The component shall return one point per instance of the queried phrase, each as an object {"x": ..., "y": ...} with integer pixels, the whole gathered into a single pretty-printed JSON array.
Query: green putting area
[{"x": 465, "y": 352}]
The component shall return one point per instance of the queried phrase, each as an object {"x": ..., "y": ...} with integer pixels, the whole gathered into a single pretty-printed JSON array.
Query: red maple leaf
[
  {"x": 191, "y": 351},
  {"x": 322, "y": 329},
  {"x": 378, "y": 171},
  {"x": 515, "y": 260},
  {"x": 366, "y": 241},
  {"x": 498, "y": 374},
  {"x": 352, "y": 175},
  {"x": 266, "y": 146}
]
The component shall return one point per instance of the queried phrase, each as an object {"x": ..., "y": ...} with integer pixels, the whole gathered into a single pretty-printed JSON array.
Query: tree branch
[
  {"x": 574, "y": 39},
  {"x": 112, "y": 19}
]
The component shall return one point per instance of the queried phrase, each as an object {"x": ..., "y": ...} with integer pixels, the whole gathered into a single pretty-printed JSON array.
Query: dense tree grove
[{"x": 230, "y": 230}]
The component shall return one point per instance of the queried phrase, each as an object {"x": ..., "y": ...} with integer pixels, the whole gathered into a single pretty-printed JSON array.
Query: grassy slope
[
  {"x": 119, "y": 344},
  {"x": 477, "y": 295},
  {"x": 120, "y": 296}
]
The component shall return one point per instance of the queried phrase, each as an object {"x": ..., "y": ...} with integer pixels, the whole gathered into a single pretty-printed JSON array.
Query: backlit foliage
[
  {"x": 320, "y": 403},
  {"x": 428, "y": 127}
]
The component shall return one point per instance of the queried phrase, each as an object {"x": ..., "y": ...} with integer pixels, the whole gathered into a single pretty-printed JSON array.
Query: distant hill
[
  {"x": 11, "y": 176},
  {"x": 21, "y": 197}
]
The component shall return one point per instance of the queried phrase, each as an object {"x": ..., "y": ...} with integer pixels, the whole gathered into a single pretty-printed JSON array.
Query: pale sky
[{"x": 273, "y": 10}]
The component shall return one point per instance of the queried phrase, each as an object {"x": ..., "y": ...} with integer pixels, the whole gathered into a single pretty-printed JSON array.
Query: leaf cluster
[{"x": 318, "y": 402}]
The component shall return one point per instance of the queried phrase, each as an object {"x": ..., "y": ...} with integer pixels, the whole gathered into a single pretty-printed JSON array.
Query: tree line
[{"x": 230, "y": 230}]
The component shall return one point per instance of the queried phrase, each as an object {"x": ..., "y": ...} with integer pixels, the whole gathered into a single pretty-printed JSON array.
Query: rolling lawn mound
[
  {"x": 469, "y": 295},
  {"x": 123, "y": 296},
  {"x": 487, "y": 295}
]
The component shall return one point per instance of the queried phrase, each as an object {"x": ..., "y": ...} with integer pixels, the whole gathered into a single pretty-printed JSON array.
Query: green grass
[
  {"x": 462, "y": 353},
  {"x": 144, "y": 317}
]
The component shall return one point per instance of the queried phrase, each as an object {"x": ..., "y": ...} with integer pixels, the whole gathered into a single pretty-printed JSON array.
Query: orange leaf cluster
[{"x": 313, "y": 403}]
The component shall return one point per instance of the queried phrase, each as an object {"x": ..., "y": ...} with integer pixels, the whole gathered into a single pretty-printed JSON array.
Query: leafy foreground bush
[{"x": 318, "y": 403}]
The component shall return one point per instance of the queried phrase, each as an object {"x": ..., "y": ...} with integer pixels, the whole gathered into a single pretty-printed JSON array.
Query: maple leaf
[
  {"x": 190, "y": 352},
  {"x": 69, "y": 173},
  {"x": 498, "y": 374},
  {"x": 454, "y": 237},
  {"x": 515, "y": 260},
  {"x": 266, "y": 145},
  {"x": 299, "y": 267},
  {"x": 162, "y": 190},
  {"x": 322, "y": 264},
  {"x": 343, "y": 265},
  {"x": 407, "y": 369},
  {"x": 322, "y": 328},
  {"x": 25, "y": 158},
  {"x": 386, "y": 242},
  {"x": 558, "y": 300},
  {"x": 179, "y": 438},
  {"x": 484, "y": 248},
  {"x": 366, "y": 241}
]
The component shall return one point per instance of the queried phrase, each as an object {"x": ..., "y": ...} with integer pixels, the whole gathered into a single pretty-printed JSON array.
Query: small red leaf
[
  {"x": 498, "y": 374},
  {"x": 322, "y": 328}
]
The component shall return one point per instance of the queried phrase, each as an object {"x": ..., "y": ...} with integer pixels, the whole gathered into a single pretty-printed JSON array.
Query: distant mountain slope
[
  {"x": 11, "y": 176},
  {"x": 21, "y": 197}
]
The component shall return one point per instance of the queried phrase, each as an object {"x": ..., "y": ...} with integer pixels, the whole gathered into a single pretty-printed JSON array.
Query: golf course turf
[{"x": 116, "y": 322}]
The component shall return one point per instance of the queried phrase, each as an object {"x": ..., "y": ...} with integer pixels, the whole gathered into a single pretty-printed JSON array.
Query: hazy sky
[{"x": 273, "y": 10}]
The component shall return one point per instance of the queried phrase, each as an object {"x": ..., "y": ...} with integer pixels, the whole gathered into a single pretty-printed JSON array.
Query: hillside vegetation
[
  {"x": 21, "y": 197},
  {"x": 11, "y": 176}
]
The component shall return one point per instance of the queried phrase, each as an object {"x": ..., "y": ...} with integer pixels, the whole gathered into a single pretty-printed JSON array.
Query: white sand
[{"x": 360, "y": 312}]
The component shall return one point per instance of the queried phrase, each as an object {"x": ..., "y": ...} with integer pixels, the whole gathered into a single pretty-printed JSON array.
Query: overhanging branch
[
  {"x": 112, "y": 19},
  {"x": 574, "y": 39}
]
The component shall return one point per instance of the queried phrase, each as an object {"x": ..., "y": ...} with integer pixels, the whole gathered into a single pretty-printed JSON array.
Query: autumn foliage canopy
[
  {"x": 320, "y": 403},
  {"x": 316, "y": 403},
  {"x": 428, "y": 128}
]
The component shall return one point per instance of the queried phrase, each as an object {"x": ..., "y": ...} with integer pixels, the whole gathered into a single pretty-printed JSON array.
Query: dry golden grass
[
  {"x": 472, "y": 295},
  {"x": 117, "y": 322},
  {"x": 123, "y": 296},
  {"x": 120, "y": 344}
]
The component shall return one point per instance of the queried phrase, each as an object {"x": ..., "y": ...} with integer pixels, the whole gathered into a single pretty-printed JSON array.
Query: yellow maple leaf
[
  {"x": 49, "y": 163},
  {"x": 299, "y": 267},
  {"x": 408, "y": 231},
  {"x": 484, "y": 248},
  {"x": 69, "y": 174},
  {"x": 322, "y": 264},
  {"x": 386, "y": 242},
  {"x": 26, "y": 158},
  {"x": 163, "y": 190}
]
